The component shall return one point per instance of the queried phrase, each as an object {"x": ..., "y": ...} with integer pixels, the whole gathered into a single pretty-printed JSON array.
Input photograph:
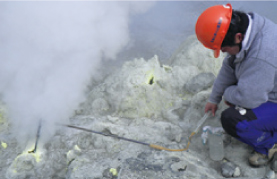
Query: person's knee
[
  {"x": 229, "y": 121},
  {"x": 227, "y": 117}
]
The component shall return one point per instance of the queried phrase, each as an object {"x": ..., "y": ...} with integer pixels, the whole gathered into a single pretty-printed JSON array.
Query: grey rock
[
  {"x": 229, "y": 169},
  {"x": 143, "y": 155},
  {"x": 107, "y": 174},
  {"x": 270, "y": 174},
  {"x": 179, "y": 166},
  {"x": 175, "y": 159},
  {"x": 200, "y": 82},
  {"x": 140, "y": 165},
  {"x": 273, "y": 164}
]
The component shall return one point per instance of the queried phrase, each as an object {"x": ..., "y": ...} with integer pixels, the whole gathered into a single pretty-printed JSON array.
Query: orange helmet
[{"x": 212, "y": 26}]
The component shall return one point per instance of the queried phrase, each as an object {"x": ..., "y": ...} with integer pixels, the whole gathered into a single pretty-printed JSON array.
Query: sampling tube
[{"x": 201, "y": 122}]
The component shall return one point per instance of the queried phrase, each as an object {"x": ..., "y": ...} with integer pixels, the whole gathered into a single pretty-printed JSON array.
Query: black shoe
[{"x": 273, "y": 163}]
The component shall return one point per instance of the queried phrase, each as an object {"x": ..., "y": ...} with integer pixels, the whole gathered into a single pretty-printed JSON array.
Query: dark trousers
[{"x": 258, "y": 127}]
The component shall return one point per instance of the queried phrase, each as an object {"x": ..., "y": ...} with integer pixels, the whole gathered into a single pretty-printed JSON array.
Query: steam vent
[{"x": 75, "y": 105}]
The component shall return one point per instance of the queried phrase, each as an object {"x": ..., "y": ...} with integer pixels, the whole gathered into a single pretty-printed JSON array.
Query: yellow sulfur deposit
[
  {"x": 4, "y": 145},
  {"x": 150, "y": 77},
  {"x": 113, "y": 171},
  {"x": 76, "y": 147},
  {"x": 37, "y": 156}
]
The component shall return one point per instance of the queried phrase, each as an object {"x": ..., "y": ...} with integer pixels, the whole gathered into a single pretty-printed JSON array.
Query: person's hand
[{"x": 211, "y": 107}]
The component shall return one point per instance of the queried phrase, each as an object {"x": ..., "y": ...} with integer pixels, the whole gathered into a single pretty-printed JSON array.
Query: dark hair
[{"x": 239, "y": 24}]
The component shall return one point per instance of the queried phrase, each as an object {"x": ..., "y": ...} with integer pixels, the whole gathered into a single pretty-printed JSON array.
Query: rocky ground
[{"x": 145, "y": 101}]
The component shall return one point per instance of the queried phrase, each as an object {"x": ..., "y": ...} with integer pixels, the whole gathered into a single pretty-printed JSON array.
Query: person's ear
[{"x": 238, "y": 38}]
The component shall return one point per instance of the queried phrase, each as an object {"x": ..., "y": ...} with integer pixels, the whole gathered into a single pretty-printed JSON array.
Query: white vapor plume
[{"x": 49, "y": 51}]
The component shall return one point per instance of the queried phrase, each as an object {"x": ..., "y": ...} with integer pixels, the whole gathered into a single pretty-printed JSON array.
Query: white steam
[{"x": 49, "y": 51}]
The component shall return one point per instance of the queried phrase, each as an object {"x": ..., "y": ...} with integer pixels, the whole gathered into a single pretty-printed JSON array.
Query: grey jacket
[{"x": 251, "y": 79}]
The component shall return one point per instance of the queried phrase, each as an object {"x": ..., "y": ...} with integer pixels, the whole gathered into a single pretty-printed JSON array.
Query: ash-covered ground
[
  {"x": 143, "y": 100},
  {"x": 110, "y": 67}
]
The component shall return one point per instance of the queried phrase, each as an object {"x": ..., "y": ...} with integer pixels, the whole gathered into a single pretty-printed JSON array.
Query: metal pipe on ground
[{"x": 158, "y": 147}]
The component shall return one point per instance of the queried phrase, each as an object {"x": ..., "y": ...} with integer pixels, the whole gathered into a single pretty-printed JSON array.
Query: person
[{"x": 247, "y": 80}]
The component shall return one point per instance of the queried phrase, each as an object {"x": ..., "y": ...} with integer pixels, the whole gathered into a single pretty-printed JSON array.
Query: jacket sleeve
[
  {"x": 255, "y": 82},
  {"x": 225, "y": 78}
]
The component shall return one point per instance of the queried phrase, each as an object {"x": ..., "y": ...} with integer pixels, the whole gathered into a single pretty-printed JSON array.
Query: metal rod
[
  {"x": 104, "y": 134},
  {"x": 37, "y": 138},
  {"x": 200, "y": 123}
]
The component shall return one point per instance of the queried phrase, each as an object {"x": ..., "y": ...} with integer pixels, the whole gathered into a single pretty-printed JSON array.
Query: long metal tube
[
  {"x": 104, "y": 134},
  {"x": 37, "y": 138},
  {"x": 200, "y": 123}
]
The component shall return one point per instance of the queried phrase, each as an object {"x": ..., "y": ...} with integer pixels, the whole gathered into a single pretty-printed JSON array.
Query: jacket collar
[{"x": 245, "y": 44}]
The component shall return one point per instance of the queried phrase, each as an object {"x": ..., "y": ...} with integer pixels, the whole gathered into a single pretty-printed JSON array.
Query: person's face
[{"x": 233, "y": 50}]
